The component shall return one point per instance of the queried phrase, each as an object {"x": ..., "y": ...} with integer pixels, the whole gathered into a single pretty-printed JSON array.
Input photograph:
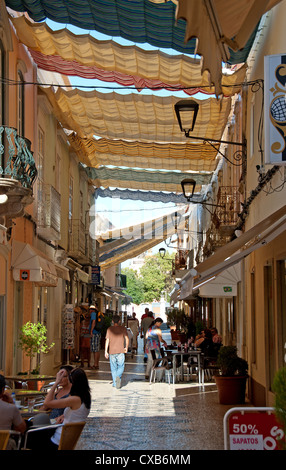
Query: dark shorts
[{"x": 95, "y": 342}]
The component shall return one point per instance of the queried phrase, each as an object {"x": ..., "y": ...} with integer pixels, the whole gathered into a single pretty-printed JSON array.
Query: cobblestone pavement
[{"x": 139, "y": 416}]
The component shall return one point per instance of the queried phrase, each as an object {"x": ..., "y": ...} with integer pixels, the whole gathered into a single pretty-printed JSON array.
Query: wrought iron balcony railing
[
  {"x": 16, "y": 157},
  {"x": 229, "y": 200}
]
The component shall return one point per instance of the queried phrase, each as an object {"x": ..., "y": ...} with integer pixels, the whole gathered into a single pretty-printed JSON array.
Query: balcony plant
[
  {"x": 33, "y": 341},
  {"x": 231, "y": 381}
]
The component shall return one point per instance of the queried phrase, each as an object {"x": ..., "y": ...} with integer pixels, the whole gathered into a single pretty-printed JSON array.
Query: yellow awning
[
  {"x": 167, "y": 156},
  {"x": 134, "y": 117}
]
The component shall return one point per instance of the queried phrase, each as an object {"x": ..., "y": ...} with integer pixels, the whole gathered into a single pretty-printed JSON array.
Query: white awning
[
  {"x": 230, "y": 254},
  {"x": 29, "y": 265},
  {"x": 82, "y": 276},
  {"x": 62, "y": 272},
  {"x": 223, "y": 285}
]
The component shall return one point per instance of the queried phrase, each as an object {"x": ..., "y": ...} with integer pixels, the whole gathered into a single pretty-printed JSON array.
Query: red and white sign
[
  {"x": 254, "y": 429},
  {"x": 24, "y": 274}
]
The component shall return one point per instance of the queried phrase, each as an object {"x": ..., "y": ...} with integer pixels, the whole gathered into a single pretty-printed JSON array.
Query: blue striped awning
[{"x": 139, "y": 21}]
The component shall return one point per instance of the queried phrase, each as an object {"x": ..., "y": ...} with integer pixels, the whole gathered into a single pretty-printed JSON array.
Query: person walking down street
[
  {"x": 133, "y": 324},
  {"x": 84, "y": 339},
  {"x": 116, "y": 346},
  {"x": 96, "y": 323},
  {"x": 153, "y": 342},
  {"x": 145, "y": 324}
]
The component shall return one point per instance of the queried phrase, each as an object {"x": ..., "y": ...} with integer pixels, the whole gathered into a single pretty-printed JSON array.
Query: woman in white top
[{"x": 77, "y": 404}]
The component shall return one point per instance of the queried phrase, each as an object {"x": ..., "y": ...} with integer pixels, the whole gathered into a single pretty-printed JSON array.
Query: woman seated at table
[
  {"x": 76, "y": 408},
  {"x": 63, "y": 391},
  {"x": 205, "y": 343}
]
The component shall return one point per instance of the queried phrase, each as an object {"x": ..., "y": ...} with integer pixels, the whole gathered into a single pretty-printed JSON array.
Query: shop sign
[
  {"x": 254, "y": 430},
  {"x": 95, "y": 275},
  {"x": 227, "y": 288},
  {"x": 24, "y": 274},
  {"x": 275, "y": 109}
]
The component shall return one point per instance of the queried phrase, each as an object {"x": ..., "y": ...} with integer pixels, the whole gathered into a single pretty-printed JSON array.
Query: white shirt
[{"x": 71, "y": 416}]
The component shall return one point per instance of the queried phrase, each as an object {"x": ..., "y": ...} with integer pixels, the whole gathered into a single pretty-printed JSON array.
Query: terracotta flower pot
[{"x": 231, "y": 390}]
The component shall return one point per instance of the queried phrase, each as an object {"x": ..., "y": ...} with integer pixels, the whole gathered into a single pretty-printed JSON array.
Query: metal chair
[
  {"x": 160, "y": 364},
  {"x": 207, "y": 367}
]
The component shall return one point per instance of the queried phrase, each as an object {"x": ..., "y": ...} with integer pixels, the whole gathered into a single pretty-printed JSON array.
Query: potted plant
[
  {"x": 231, "y": 381},
  {"x": 279, "y": 387},
  {"x": 178, "y": 320},
  {"x": 33, "y": 341}
]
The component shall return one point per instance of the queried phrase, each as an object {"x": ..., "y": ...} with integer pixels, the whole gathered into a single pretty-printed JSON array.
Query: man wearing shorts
[{"x": 95, "y": 337}]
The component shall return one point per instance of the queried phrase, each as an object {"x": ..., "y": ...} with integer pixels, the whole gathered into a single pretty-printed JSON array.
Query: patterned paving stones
[{"x": 139, "y": 416}]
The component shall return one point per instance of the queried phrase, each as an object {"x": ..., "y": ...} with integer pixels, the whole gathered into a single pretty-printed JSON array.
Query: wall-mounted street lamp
[
  {"x": 188, "y": 187},
  {"x": 162, "y": 253},
  {"x": 186, "y": 113}
]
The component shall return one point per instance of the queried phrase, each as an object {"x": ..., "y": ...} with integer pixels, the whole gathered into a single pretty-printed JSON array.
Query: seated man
[{"x": 10, "y": 416}]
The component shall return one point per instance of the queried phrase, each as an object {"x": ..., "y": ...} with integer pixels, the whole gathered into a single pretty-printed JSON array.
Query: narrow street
[{"x": 160, "y": 416}]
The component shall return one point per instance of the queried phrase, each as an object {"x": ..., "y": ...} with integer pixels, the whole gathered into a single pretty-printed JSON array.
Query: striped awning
[
  {"x": 133, "y": 117},
  {"x": 139, "y": 21},
  {"x": 128, "y": 242},
  {"x": 163, "y": 24},
  {"x": 144, "y": 179},
  {"x": 154, "y": 155},
  {"x": 87, "y": 57}
]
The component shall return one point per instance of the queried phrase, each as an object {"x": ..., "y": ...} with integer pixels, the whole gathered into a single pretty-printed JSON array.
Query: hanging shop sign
[
  {"x": 95, "y": 275},
  {"x": 24, "y": 274},
  {"x": 68, "y": 333},
  {"x": 275, "y": 109}
]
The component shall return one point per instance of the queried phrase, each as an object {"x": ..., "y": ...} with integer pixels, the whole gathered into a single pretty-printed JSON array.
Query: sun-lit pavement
[{"x": 160, "y": 416}]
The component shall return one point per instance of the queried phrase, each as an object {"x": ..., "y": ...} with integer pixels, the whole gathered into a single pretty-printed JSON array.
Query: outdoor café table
[
  {"x": 23, "y": 393},
  {"x": 24, "y": 378},
  {"x": 194, "y": 353}
]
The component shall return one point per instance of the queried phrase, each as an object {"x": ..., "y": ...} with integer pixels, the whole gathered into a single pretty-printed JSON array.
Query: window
[
  {"x": 70, "y": 198},
  {"x": 21, "y": 105},
  {"x": 58, "y": 173},
  {"x": 40, "y": 179},
  {"x": 281, "y": 303},
  {"x": 2, "y": 75},
  {"x": 270, "y": 323},
  {"x": 253, "y": 316}
]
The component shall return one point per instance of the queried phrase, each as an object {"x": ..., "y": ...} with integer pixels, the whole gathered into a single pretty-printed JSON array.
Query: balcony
[
  {"x": 49, "y": 213},
  {"x": 81, "y": 245},
  {"x": 17, "y": 172},
  {"x": 225, "y": 218},
  {"x": 180, "y": 264}
]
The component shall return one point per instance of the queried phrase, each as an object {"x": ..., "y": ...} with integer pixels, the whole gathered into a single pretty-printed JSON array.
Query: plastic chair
[
  {"x": 5, "y": 436},
  {"x": 69, "y": 436},
  {"x": 159, "y": 364}
]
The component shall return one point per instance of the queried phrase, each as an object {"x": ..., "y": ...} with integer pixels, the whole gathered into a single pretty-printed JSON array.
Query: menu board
[{"x": 68, "y": 333}]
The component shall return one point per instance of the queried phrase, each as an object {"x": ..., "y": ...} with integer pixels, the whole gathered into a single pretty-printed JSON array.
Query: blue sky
[{"x": 123, "y": 212}]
